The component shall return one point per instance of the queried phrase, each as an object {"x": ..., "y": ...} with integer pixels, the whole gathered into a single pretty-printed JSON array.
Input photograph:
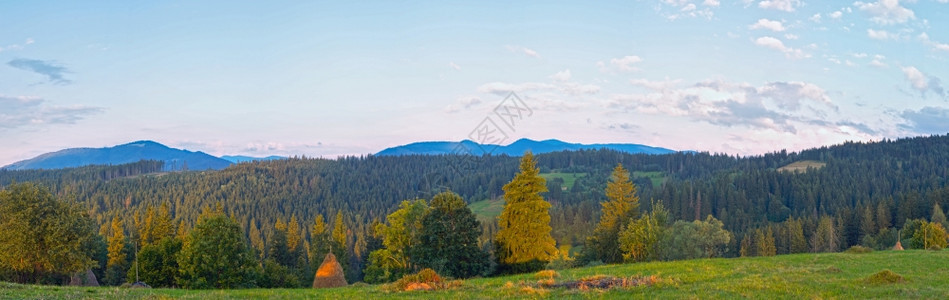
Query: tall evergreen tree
[
  {"x": 448, "y": 240},
  {"x": 118, "y": 254},
  {"x": 620, "y": 209},
  {"x": 523, "y": 242},
  {"x": 825, "y": 239},
  {"x": 764, "y": 240},
  {"x": 798, "y": 244},
  {"x": 319, "y": 242},
  {"x": 939, "y": 217},
  {"x": 340, "y": 244}
]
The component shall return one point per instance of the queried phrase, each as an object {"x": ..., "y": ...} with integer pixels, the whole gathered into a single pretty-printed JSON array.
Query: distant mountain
[
  {"x": 241, "y": 158},
  {"x": 175, "y": 159},
  {"x": 514, "y": 149}
]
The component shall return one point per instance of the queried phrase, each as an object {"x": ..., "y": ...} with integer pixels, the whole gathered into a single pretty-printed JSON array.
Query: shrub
[
  {"x": 884, "y": 277},
  {"x": 857, "y": 249}
]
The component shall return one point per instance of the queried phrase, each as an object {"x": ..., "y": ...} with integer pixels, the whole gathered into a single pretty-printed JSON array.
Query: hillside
[
  {"x": 516, "y": 148},
  {"x": 174, "y": 159},
  {"x": 798, "y": 276}
]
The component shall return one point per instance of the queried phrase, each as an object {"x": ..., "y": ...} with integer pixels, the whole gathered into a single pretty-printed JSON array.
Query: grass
[
  {"x": 798, "y": 276},
  {"x": 487, "y": 209},
  {"x": 802, "y": 166},
  {"x": 657, "y": 178},
  {"x": 569, "y": 179}
]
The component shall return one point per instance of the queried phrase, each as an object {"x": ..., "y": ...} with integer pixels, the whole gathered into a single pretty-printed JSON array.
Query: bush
[
  {"x": 857, "y": 249},
  {"x": 884, "y": 277}
]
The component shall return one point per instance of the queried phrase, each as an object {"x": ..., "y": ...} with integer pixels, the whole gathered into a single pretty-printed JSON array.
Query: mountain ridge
[
  {"x": 175, "y": 159},
  {"x": 517, "y": 148}
]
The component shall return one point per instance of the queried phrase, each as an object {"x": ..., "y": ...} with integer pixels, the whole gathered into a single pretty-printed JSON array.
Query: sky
[{"x": 324, "y": 79}]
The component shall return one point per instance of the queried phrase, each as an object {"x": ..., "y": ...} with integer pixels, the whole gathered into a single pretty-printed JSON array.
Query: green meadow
[{"x": 915, "y": 274}]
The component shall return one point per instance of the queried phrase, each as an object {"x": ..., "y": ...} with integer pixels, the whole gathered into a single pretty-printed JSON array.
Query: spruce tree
[
  {"x": 621, "y": 208},
  {"x": 523, "y": 242},
  {"x": 118, "y": 256}
]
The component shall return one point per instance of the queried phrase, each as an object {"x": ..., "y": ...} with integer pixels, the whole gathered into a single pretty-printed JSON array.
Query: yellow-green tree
[
  {"x": 619, "y": 210},
  {"x": 118, "y": 259},
  {"x": 523, "y": 242},
  {"x": 932, "y": 235},
  {"x": 340, "y": 244},
  {"x": 40, "y": 235}
]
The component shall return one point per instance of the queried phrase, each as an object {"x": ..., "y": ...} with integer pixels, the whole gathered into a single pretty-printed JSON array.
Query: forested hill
[{"x": 895, "y": 180}]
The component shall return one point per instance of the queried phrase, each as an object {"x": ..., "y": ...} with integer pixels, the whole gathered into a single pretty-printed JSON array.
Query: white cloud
[
  {"x": 922, "y": 82},
  {"x": 815, "y": 18},
  {"x": 836, "y": 14},
  {"x": 22, "y": 111},
  {"x": 659, "y": 85},
  {"x": 776, "y": 44},
  {"x": 463, "y": 103},
  {"x": 886, "y": 12},
  {"x": 523, "y": 50},
  {"x": 916, "y": 78},
  {"x": 686, "y": 8},
  {"x": 783, "y": 5},
  {"x": 779, "y": 106},
  {"x": 936, "y": 45},
  {"x": 882, "y": 35},
  {"x": 455, "y": 66},
  {"x": 561, "y": 76},
  {"x": 768, "y": 24},
  {"x": 878, "y": 63},
  {"x": 791, "y": 36},
  {"x": 625, "y": 63}
]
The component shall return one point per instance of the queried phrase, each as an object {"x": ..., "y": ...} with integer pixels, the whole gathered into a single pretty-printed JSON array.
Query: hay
[
  {"x": 898, "y": 247},
  {"x": 884, "y": 277},
  {"x": 83, "y": 279},
  {"x": 330, "y": 274}
]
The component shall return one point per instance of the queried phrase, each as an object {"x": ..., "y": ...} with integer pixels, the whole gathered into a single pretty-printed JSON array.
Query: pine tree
[
  {"x": 883, "y": 215},
  {"x": 764, "y": 240},
  {"x": 868, "y": 225},
  {"x": 319, "y": 242},
  {"x": 825, "y": 238},
  {"x": 523, "y": 242},
  {"x": 621, "y": 209},
  {"x": 798, "y": 244},
  {"x": 339, "y": 242},
  {"x": 939, "y": 217},
  {"x": 118, "y": 257},
  {"x": 748, "y": 248}
]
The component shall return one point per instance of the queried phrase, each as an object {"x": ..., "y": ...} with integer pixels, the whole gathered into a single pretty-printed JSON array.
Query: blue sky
[{"x": 329, "y": 78}]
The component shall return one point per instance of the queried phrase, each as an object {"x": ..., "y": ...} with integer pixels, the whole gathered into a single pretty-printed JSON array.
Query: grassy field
[
  {"x": 801, "y": 166},
  {"x": 814, "y": 276},
  {"x": 657, "y": 178},
  {"x": 487, "y": 209},
  {"x": 568, "y": 178}
]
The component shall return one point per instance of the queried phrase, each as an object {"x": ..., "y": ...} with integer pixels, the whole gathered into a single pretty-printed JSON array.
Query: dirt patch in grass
[
  {"x": 884, "y": 277},
  {"x": 602, "y": 282}
]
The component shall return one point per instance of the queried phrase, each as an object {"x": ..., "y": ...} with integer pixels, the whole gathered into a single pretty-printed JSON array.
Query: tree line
[{"x": 864, "y": 194}]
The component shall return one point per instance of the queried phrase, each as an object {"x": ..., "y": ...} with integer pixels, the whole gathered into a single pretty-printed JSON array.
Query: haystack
[
  {"x": 898, "y": 247},
  {"x": 330, "y": 274},
  {"x": 83, "y": 279}
]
